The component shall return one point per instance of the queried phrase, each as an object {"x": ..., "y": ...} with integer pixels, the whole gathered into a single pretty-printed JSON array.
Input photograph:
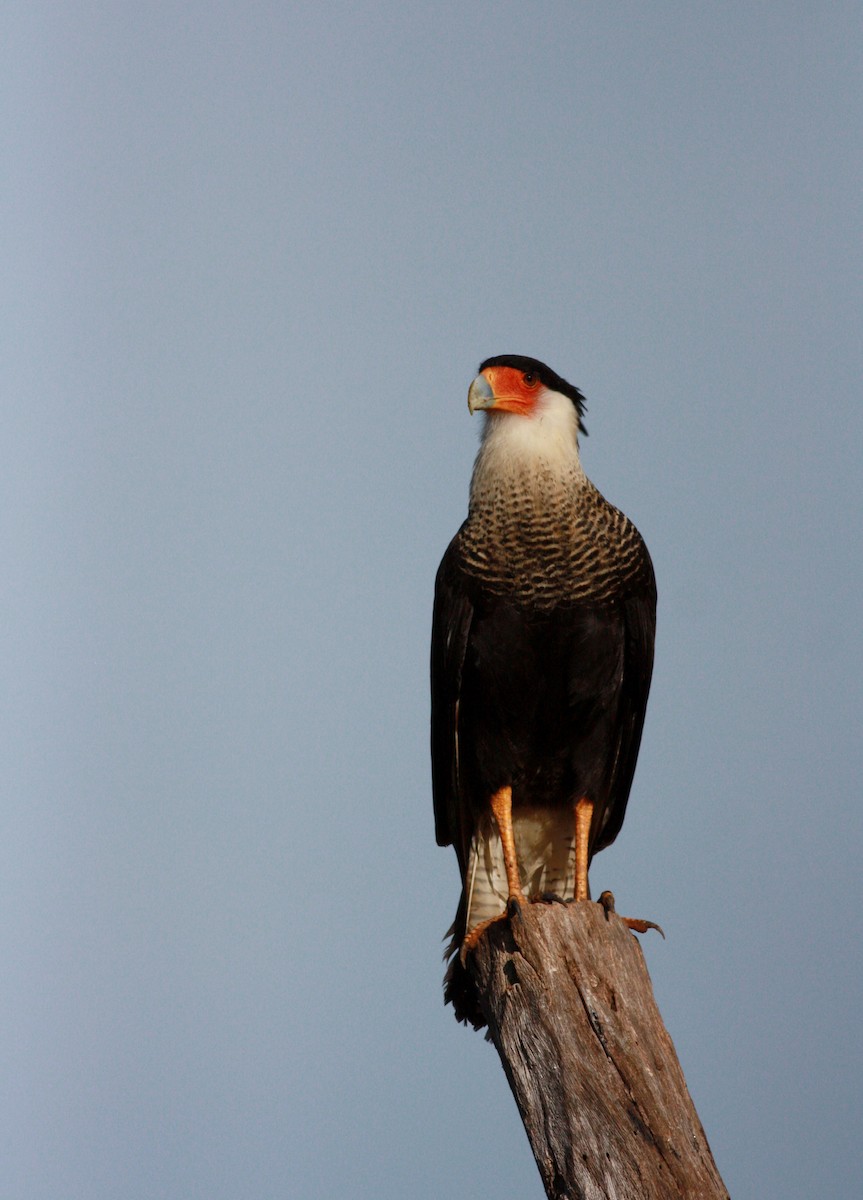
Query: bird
[{"x": 542, "y": 651}]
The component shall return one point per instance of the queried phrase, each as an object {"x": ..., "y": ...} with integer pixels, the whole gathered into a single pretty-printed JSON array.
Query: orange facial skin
[{"x": 514, "y": 391}]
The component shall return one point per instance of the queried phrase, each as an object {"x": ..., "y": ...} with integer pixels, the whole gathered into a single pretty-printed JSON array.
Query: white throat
[{"x": 543, "y": 444}]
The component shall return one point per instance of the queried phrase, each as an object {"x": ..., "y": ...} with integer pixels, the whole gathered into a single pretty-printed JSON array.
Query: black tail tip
[{"x": 460, "y": 991}]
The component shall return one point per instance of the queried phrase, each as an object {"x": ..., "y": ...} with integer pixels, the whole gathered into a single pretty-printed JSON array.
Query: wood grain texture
[{"x": 571, "y": 1011}]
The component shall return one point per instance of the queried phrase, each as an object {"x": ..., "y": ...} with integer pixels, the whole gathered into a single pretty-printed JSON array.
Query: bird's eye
[{"x": 530, "y": 379}]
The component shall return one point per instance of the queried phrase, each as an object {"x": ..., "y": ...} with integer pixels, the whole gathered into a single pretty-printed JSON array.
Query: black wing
[
  {"x": 639, "y": 631},
  {"x": 451, "y": 622}
]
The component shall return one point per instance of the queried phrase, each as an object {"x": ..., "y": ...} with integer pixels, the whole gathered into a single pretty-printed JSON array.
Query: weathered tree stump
[{"x": 571, "y": 1011}]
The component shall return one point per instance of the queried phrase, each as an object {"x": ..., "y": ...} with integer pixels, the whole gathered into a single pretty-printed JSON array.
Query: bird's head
[{"x": 525, "y": 387}]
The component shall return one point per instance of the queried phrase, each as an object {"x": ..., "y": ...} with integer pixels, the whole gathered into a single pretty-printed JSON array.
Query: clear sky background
[{"x": 252, "y": 255}]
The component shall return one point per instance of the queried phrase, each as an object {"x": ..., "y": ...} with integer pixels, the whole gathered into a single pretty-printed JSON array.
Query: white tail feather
[{"x": 544, "y": 845}]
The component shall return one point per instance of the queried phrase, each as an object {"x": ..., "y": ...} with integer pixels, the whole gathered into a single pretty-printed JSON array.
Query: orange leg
[
  {"x": 583, "y": 817},
  {"x": 501, "y": 807}
]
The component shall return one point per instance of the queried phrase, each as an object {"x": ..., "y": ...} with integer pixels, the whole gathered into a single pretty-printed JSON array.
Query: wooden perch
[{"x": 571, "y": 1011}]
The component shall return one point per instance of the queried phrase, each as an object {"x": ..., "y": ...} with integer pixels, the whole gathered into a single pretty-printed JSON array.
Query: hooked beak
[{"x": 480, "y": 395}]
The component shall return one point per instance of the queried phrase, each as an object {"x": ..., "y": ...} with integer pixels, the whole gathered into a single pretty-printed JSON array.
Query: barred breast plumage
[{"x": 549, "y": 541}]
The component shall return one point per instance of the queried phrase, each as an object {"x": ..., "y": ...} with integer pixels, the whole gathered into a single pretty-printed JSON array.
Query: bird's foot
[
  {"x": 634, "y": 923},
  {"x": 513, "y": 908}
]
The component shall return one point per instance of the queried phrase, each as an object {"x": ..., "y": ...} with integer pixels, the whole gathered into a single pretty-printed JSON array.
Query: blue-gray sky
[{"x": 253, "y": 254}]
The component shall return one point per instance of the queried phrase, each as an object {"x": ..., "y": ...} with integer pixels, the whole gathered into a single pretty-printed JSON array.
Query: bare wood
[{"x": 571, "y": 1011}]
